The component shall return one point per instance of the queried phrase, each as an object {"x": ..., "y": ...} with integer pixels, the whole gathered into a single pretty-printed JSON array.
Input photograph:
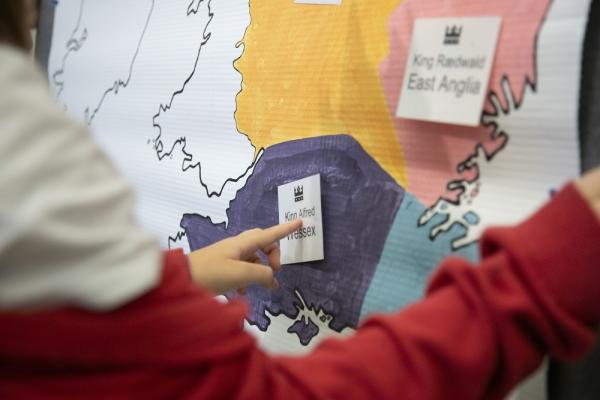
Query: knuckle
[{"x": 252, "y": 232}]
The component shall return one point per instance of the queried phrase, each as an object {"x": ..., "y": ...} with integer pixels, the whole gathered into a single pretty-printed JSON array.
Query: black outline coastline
[
  {"x": 157, "y": 142},
  {"x": 297, "y": 303},
  {"x": 73, "y": 45},
  {"x": 496, "y": 133},
  {"x": 177, "y": 238},
  {"x": 119, "y": 83}
]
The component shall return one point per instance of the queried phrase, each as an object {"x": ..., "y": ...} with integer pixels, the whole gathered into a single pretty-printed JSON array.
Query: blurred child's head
[{"x": 17, "y": 17}]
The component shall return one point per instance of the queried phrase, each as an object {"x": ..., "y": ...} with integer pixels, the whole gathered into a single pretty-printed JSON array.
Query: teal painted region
[{"x": 409, "y": 257}]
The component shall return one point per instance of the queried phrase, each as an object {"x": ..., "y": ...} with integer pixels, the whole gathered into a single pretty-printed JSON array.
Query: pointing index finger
[
  {"x": 273, "y": 234},
  {"x": 278, "y": 232}
]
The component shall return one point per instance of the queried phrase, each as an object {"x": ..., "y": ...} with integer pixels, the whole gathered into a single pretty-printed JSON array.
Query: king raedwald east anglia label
[{"x": 448, "y": 69}]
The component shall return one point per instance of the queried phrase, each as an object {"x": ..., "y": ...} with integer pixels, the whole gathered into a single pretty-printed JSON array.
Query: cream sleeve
[{"x": 68, "y": 234}]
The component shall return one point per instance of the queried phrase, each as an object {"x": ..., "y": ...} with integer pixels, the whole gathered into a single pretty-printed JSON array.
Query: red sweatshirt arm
[{"x": 479, "y": 331}]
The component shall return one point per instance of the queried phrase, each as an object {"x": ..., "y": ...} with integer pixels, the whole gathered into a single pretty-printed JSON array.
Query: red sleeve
[{"x": 478, "y": 332}]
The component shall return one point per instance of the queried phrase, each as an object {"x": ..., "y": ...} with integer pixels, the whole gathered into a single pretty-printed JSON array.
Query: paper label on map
[
  {"x": 336, "y": 2},
  {"x": 448, "y": 69},
  {"x": 302, "y": 200}
]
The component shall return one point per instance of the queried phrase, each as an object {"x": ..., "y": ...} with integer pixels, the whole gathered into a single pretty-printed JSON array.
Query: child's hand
[
  {"x": 234, "y": 263},
  {"x": 589, "y": 186}
]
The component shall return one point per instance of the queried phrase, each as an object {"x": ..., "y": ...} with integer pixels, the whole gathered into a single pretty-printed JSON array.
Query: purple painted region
[
  {"x": 305, "y": 328},
  {"x": 359, "y": 203}
]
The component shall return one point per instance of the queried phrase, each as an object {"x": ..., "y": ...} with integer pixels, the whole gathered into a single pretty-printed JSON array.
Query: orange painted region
[{"x": 313, "y": 70}]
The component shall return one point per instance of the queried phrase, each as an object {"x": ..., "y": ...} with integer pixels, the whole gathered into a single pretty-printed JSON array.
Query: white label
[
  {"x": 448, "y": 69},
  {"x": 302, "y": 199},
  {"x": 338, "y": 2}
]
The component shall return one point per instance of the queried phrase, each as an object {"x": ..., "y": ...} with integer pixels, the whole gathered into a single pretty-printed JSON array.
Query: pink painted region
[{"x": 433, "y": 151}]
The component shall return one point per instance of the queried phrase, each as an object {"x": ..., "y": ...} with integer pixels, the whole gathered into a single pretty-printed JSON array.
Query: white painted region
[
  {"x": 105, "y": 54},
  {"x": 204, "y": 114},
  {"x": 171, "y": 53}
]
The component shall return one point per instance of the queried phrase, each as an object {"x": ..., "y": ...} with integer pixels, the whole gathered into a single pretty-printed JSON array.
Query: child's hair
[{"x": 13, "y": 23}]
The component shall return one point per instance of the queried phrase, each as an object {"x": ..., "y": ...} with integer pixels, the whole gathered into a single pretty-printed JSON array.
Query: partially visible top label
[
  {"x": 448, "y": 69},
  {"x": 318, "y": 1},
  {"x": 301, "y": 200}
]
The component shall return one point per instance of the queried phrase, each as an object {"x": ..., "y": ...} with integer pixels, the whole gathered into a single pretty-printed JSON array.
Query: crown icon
[
  {"x": 453, "y": 34},
  {"x": 299, "y": 193}
]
